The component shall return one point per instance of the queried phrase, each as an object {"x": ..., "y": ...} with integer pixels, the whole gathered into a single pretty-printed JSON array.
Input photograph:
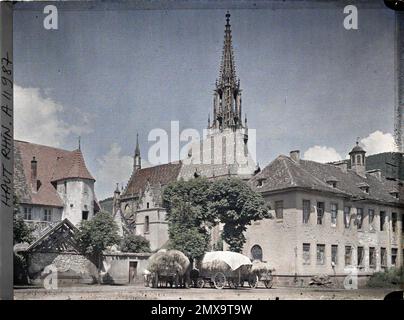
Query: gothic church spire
[{"x": 227, "y": 94}]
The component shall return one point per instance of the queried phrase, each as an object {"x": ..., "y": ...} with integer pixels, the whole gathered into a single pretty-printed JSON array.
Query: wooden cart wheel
[
  {"x": 212, "y": 284},
  {"x": 268, "y": 284},
  {"x": 200, "y": 283},
  {"x": 253, "y": 281},
  {"x": 219, "y": 280}
]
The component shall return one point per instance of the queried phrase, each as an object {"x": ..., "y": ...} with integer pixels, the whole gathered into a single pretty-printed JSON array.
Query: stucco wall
[
  {"x": 78, "y": 196},
  {"x": 282, "y": 240},
  {"x": 116, "y": 267}
]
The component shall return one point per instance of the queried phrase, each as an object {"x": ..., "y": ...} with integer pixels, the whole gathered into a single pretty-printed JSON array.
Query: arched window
[{"x": 256, "y": 252}]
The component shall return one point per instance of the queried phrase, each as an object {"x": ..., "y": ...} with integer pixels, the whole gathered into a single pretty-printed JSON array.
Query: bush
[
  {"x": 393, "y": 277},
  {"x": 135, "y": 243}
]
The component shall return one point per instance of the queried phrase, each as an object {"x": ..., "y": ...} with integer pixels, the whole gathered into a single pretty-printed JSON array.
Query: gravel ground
[{"x": 96, "y": 292}]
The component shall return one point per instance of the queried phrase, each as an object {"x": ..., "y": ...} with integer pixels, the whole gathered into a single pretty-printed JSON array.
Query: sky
[{"x": 108, "y": 74}]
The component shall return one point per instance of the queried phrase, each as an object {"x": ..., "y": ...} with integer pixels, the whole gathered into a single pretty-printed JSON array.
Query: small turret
[
  {"x": 358, "y": 159},
  {"x": 137, "y": 163}
]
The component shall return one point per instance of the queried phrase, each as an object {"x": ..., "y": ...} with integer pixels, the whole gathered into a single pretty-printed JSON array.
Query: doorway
[{"x": 132, "y": 271}]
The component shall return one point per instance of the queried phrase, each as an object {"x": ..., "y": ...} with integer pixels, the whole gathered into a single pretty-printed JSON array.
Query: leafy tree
[
  {"x": 236, "y": 205},
  {"x": 194, "y": 206},
  {"x": 97, "y": 234},
  {"x": 21, "y": 231},
  {"x": 135, "y": 243}
]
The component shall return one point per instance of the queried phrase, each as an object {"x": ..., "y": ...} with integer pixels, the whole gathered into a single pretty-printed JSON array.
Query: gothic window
[{"x": 256, "y": 252}]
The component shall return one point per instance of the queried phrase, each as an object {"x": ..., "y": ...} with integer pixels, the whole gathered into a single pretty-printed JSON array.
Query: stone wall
[{"x": 72, "y": 268}]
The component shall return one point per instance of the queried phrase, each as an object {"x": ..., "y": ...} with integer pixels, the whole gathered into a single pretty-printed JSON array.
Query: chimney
[
  {"x": 377, "y": 173},
  {"x": 343, "y": 165},
  {"x": 34, "y": 175},
  {"x": 295, "y": 155}
]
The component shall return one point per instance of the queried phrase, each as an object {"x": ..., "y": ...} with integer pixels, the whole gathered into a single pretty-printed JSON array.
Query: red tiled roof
[
  {"x": 161, "y": 174},
  {"x": 52, "y": 164}
]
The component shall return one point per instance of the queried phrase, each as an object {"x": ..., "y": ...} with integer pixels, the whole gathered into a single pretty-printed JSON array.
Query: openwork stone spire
[{"x": 227, "y": 94}]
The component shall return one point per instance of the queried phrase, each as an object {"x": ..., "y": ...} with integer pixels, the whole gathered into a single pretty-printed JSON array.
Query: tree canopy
[
  {"x": 135, "y": 243},
  {"x": 194, "y": 206},
  {"x": 97, "y": 234}
]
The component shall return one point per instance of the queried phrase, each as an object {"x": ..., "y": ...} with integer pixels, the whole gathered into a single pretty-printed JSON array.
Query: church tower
[{"x": 227, "y": 93}]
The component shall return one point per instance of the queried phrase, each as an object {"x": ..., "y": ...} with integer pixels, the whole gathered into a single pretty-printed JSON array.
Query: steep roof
[
  {"x": 52, "y": 164},
  {"x": 284, "y": 173},
  {"x": 157, "y": 175}
]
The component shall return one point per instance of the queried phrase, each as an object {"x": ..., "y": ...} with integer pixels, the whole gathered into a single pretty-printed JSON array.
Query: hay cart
[
  {"x": 222, "y": 268},
  {"x": 261, "y": 271},
  {"x": 168, "y": 268}
]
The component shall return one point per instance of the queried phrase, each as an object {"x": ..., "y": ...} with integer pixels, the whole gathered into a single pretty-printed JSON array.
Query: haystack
[
  {"x": 261, "y": 267},
  {"x": 168, "y": 261}
]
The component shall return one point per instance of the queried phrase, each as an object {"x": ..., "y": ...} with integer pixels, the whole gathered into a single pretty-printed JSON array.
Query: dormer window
[
  {"x": 394, "y": 194},
  {"x": 333, "y": 182},
  {"x": 260, "y": 182},
  {"x": 364, "y": 187}
]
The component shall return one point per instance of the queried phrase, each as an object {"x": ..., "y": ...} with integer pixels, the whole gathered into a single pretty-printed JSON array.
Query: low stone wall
[{"x": 71, "y": 268}]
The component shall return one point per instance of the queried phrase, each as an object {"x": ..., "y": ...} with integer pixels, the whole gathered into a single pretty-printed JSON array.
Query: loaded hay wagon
[
  {"x": 261, "y": 271},
  {"x": 221, "y": 268},
  {"x": 168, "y": 267}
]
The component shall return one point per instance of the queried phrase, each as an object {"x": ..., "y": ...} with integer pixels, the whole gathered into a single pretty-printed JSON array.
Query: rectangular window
[
  {"x": 393, "y": 256},
  {"x": 359, "y": 218},
  {"x": 372, "y": 257},
  {"x": 320, "y": 254},
  {"x": 394, "y": 221},
  {"x": 348, "y": 255},
  {"x": 383, "y": 257},
  {"x": 360, "y": 256},
  {"x": 320, "y": 212},
  {"x": 334, "y": 254},
  {"x": 334, "y": 213},
  {"x": 347, "y": 216},
  {"x": 279, "y": 209},
  {"x": 306, "y": 253},
  {"x": 371, "y": 213},
  {"x": 146, "y": 224},
  {"x": 84, "y": 215},
  {"x": 306, "y": 211},
  {"x": 47, "y": 215},
  {"x": 27, "y": 213},
  {"x": 382, "y": 220}
]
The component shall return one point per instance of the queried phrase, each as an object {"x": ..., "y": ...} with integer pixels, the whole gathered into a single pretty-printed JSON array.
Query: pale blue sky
[{"x": 306, "y": 80}]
